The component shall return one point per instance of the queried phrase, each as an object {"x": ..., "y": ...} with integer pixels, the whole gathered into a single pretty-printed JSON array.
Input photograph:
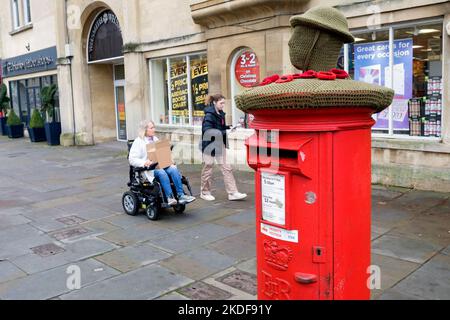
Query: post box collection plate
[{"x": 273, "y": 191}]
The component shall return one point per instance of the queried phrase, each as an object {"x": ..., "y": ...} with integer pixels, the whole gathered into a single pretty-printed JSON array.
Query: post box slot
[{"x": 281, "y": 156}]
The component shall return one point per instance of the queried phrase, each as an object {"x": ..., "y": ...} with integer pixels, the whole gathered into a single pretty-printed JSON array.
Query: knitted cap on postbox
[{"x": 318, "y": 36}]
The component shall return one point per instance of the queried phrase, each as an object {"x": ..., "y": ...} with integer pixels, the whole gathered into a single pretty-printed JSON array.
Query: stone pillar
[
  {"x": 64, "y": 82},
  {"x": 136, "y": 104},
  {"x": 136, "y": 71},
  {"x": 82, "y": 96}
]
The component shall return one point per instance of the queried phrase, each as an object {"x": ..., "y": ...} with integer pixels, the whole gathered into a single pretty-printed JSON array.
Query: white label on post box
[
  {"x": 280, "y": 234},
  {"x": 273, "y": 198}
]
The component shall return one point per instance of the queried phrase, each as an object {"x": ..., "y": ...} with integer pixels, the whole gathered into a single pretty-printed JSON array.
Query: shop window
[
  {"x": 26, "y": 96},
  {"x": 23, "y": 106},
  {"x": 179, "y": 87},
  {"x": 14, "y": 92},
  {"x": 412, "y": 68},
  {"x": 245, "y": 73},
  {"x": 27, "y": 11},
  {"x": 119, "y": 72},
  {"x": 21, "y": 13},
  {"x": 15, "y": 14}
]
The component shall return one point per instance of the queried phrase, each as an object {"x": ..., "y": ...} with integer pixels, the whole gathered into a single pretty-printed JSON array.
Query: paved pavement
[{"x": 61, "y": 207}]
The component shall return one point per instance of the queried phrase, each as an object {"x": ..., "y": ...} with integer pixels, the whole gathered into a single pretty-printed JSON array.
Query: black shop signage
[
  {"x": 105, "y": 38},
  {"x": 200, "y": 87},
  {"x": 38, "y": 61},
  {"x": 179, "y": 89}
]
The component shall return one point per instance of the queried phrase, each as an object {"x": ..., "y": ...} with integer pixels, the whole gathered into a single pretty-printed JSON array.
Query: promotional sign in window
[
  {"x": 200, "y": 86},
  {"x": 273, "y": 198},
  {"x": 179, "y": 88},
  {"x": 372, "y": 66},
  {"x": 247, "y": 69}
]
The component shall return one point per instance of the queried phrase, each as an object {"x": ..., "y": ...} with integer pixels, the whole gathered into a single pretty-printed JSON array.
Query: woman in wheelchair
[{"x": 138, "y": 159}]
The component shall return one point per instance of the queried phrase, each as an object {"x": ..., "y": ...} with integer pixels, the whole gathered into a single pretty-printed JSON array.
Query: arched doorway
[{"x": 105, "y": 61}]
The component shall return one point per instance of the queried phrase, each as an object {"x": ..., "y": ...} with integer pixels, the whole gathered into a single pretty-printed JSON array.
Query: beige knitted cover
[
  {"x": 324, "y": 53},
  {"x": 325, "y": 18},
  {"x": 314, "y": 93}
]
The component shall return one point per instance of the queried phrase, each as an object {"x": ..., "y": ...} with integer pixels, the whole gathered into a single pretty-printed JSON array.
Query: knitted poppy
[
  {"x": 340, "y": 74},
  {"x": 285, "y": 78},
  {"x": 269, "y": 80},
  {"x": 310, "y": 74},
  {"x": 322, "y": 75}
]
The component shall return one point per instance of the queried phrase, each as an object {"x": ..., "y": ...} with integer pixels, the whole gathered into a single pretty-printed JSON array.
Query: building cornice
[{"x": 219, "y": 13}]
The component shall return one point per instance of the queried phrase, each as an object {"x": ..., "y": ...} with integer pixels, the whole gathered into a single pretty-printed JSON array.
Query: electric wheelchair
[{"x": 149, "y": 196}]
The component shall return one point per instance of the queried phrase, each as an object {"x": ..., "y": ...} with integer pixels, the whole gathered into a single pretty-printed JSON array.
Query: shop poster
[
  {"x": 199, "y": 80},
  {"x": 372, "y": 66},
  {"x": 179, "y": 89}
]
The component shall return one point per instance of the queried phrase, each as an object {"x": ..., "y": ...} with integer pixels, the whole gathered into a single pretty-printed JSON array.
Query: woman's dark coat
[{"x": 214, "y": 126}]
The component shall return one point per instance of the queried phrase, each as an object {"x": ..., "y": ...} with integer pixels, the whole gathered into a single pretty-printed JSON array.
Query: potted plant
[
  {"x": 52, "y": 126},
  {"x": 14, "y": 125},
  {"x": 36, "y": 129},
  {"x": 4, "y": 105}
]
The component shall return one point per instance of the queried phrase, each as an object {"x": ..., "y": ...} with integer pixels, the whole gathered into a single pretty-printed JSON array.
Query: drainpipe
[{"x": 67, "y": 40}]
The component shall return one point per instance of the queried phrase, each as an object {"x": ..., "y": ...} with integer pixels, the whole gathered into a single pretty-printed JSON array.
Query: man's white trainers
[
  {"x": 207, "y": 197},
  {"x": 237, "y": 196}
]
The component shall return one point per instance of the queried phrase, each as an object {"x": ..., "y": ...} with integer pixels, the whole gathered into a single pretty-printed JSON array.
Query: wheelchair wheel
[
  {"x": 179, "y": 208},
  {"x": 130, "y": 203},
  {"x": 152, "y": 213}
]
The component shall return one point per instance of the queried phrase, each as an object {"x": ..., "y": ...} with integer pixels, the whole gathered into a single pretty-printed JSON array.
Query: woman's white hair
[{"x": 143, "y": 126}]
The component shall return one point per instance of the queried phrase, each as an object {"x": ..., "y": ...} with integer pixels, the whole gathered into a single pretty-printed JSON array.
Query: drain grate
[
  {"x": 240, "y": 280},
  {"x": 71, "y": 221},
  {"x": 47, "y": 250},
  {"x": 15, "y": 155},
  {"x": 203, "y": 291},
  {"x": 70, "y": 233}
]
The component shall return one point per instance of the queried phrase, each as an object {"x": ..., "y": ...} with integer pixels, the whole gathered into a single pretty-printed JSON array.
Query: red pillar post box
[{"x": 312, "y": 155}]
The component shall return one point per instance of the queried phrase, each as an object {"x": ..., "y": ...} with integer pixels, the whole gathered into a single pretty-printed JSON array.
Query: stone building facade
[{"x": 118, "y": 62}]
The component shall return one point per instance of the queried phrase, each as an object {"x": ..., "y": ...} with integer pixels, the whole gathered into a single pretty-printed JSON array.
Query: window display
[
  {"x": 413, "y": 68},
  {"x": 179, "y": 87},
  {"x": 26, "y": 95}
]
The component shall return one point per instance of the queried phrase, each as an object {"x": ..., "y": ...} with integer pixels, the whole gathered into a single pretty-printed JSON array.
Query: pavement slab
[
  {"x": 424, "y": 228},
  {"x": 199, "y": 263},
  {"x": 52, "y": 283},
  {"x": 392, "y": 271},
  {"x": 430, "y": 282},
  {"x": 131, "y": 258},
  {"x": 241, "y": 246},
  {"x": 73, "y": 252},
  {"x": 135, "y": 234},
  {"x": 9, "y": 272},
  {"x": 417, "y": 251},
  {"x": 146, "y": 283},
  {"x": 194, "y": 237}
]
